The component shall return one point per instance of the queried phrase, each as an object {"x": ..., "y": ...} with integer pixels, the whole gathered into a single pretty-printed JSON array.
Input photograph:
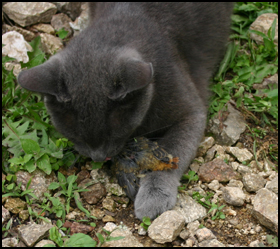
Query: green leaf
[
  {"x": 43, "y": 163},
  {"x": 273, "y": 27},
  {"x": 80, "y": 240},
  {"x": 53, "y": 185},
  {"x": 114, "y": 238},
  {"x": 29, "y": 146},
  {"x": 30, "y": 166},
  {"x": 96, "y": 165},
  {"x": 100, "y": 237}
]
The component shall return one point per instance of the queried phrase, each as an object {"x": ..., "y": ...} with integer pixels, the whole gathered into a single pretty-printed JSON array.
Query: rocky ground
[{"x": 244, "y": 180}]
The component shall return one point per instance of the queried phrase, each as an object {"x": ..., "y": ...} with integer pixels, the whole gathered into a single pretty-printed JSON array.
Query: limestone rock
[
  {"x": 45, "y": 28},
  {"x": 128, "y": 241},
  {"x": 28, "y": 13},
  {"x": 5, "y": 214},
  {"x": 234, "y": 196},
  {"x": 273, "y": 185},
  {"x": 204, "y": 234},
  {"x": 50, "y": 43},
  {"x": 15, "y": 205},
  {"x": 262, "y": 24},
  {"x": 205, "y": 145},
  {"x": 15, "y": 46},
  {"x": 217, "y": 170},
  {"x": 166, "y": 227},
  {"x": 60, "y": 21},
  {"x": 27, "y": 35},
  {"x": 189, "y": 208},
  {"x": 242, "y": 155},
  {"x": 253, "y": 182},
  {"x": 233, "y": 126},
  {"x": 265, "y": 208},
  {"x": 211, "y": 243},
  {"x": 31, "y": 233},
  {"x": 40, "y": 181},
  {"x": 72, "y": 9}
]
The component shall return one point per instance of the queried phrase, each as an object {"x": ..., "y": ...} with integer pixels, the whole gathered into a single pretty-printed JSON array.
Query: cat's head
[{"x": 96, "y": 100}]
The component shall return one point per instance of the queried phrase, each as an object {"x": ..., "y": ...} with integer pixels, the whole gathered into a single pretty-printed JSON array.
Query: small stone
[
  {"x": 232, "y": 127},
  {"x": 10, "y": 242},
  {"x": 265, "y": 208},
  {"x": 108, "y": 218},
  {"x": 205, "y": 145},
  {"x": 45, "y": 28},
  {"x": 255, "y": 243},
  {"x": 61, "y": 21},
  {"x": 109, "y": 204},
  {"x": 233, "y": 196},
  {"x": 110, "y": 226},
  {"x": 166, "y": 227},
  {"x": 253, "y": 182},
  {"x": 242, "y": 155},
  {"x": 28, "y": 13},
  {"x": 242, "y": 169},
  {"x": 28, "y": 35},
  {"x": 235, "y": 183},
  {"x": 24, "y": 214},
  {"x": 128, "y": 241},
  {"x": 235, "y": 165},
  {"x": 258, "y": 228},
  {"x": 15, "y": 46},
  {"x": 234, "y": 221},
  {"x": 214, "y": 185},
  {"x": 31, "y": 233},
  {"x": 115, "y": 189},
  {"x": 211, "y": 243},
  {"x": 217, "y": 170},
  {"x": 189, "y": 208},
  {"x": 273, "y": 185},
  {"x": 95, "y": 194},
  {"x": 229, "y": 211},
  {"x": 50, "y": 43},
  {"x": 44, "y": 242},
  {"x": 204, "y": 234},
  {"x": 262, "y": 24},
  {"x": 15, "y": 205},
  {"x": 80, "y": 228},
  {"x": 5, "y": 215},
  {"x": 142, "y": 231}
]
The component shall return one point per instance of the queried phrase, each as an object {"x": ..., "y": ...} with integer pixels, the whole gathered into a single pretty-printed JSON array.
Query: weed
[
  {"x": 146, "y": 222},
  {"x": 62, "y": 33},
  {"x": 247, "y": 64},
  {"x": 80, "y": 239},
  {"x": 6, "y": 228},
  {"x": 191, "y": 176},
  {"x": 205, "y": 201},
  {"x": 272, "y": 240}
]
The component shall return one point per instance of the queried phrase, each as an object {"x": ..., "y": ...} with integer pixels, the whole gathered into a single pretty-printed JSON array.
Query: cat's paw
[
  {"x": 157, "y": 194},
  {"x": 129, "y": 182}
]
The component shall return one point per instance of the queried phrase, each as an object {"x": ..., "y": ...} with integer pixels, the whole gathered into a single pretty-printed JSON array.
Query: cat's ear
[
  {"x": 45, "y": 79},
  {"x": 133, "y": 75}
]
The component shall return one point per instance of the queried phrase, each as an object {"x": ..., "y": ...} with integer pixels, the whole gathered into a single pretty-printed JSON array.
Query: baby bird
[{"x": 138, "y": 157}]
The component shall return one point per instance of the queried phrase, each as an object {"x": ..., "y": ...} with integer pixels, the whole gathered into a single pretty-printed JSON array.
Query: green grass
[{"x": 247, "y": 63}]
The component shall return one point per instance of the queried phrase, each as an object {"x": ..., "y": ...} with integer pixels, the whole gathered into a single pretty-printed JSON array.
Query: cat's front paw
[{"x": 157, "y": 194}]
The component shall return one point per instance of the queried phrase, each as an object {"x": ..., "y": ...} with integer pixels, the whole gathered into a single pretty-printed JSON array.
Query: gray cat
[{"x": 137, "y": 69}]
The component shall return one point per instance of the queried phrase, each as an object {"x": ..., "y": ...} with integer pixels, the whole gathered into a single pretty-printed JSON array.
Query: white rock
[
  {"x": 15, "y": 46},
  {"x": 166, "y": 227}
]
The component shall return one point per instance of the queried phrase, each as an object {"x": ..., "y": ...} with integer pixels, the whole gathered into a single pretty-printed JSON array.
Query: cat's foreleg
[{"x": 158, "y": 189}]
